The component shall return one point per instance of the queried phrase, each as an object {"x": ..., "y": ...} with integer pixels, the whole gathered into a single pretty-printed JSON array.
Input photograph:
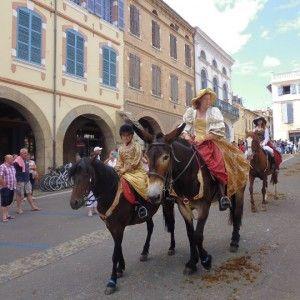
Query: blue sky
[{"x": 263, "y": 36}]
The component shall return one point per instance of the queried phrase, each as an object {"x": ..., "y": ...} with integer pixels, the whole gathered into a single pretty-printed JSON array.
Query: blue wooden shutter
[
  {"x": 79, "y": 56},
  {"x": 121, "y": 14},
  {"x": 99, "y": 8},
  {"x": 106, "y": 65},
  {"x": 91, "y": 6},
  {"x": 113, "y": 68},
  {"x": 23, "y": 34},
  {"x": 107, "y": 10},
  {"x": 280, "y": 91},
  {"x": 70, "y": 52},
  {"x": 293, "y": 89},
  {"x": 36, "y": 39}
]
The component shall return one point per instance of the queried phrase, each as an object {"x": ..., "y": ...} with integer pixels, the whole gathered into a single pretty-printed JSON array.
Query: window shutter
[
  {"x": 36, "y": 39},
  {"x": 173, "y": 46},
  {"x": 153, "y": 80},
  {"x": 137, "y": 22},
  {"x": 280, "y": 91},
  {"x": 91, "y": 6},
  {"x": 284, "y": 113},
  {"x": 113, "y": 68},
  {"x": 138, "y": 67},
  {"x": 131, "y": 19},
  {"x": 293, "y": 89},
  {"x": 107, "y": 10},
  {"x": 134, "y": 71},
  {"x": 79, "y": 56},
  {"x": 134, "y": 20},
  {"x": 99, "y": 8},
  {"x": 188, "y": 55},
  {"x": 155, "y": 35},
  {"x": 174, "y": 88},
  {"x": 130, "y": 69},
  {"x": 23, "y": 34},
  {"x": 121, "y": 14},
  {"x": 290, "y": 113},
  {"x": 106, "y": 66},
  {"x": 189, "y": 93},
  {"x": 70, "y": 52},
  {"x": 158, "y": 78}
]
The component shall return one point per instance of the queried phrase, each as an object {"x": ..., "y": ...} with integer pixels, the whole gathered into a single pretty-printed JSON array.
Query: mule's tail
[
  {"x": 168, "y": 213},
  {"x": 232, "y": 209},
  {"x": 274, "y": 177},
  {"x": 236, "y": 209}
]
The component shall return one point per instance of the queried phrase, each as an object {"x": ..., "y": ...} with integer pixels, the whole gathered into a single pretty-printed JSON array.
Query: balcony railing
[{"x": 227, "y": 109}]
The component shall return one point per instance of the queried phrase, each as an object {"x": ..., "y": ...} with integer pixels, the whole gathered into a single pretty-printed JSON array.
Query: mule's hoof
[
  {"x": 206, "y": 263},
  {"x": 264, "y": 207},
  {"x": 144, "y": 257},
  {"x": 189, "y": 271},
  {"x": 233, "y": 248},
  {"x": 120, "y": 274},
  {"x": 110, "y": 290},
  {"x": 171, "y": 252}
]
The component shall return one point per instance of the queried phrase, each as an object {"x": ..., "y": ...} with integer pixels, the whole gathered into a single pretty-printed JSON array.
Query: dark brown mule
[
  {"x": 90, "y": 174},
  {"x": 261, "y": 168},
  {"x": 174, "y": 164}
]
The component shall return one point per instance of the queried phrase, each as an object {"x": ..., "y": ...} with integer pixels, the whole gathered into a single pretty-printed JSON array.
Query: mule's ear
[
  {"x": 144, "y": 135},
  {"x": 170, "y": 137}
]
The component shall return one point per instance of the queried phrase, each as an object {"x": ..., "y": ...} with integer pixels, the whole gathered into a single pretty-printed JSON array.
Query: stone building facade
[
  {"x": 158, "y": 64},
  {"x": 61, "y": 77}
]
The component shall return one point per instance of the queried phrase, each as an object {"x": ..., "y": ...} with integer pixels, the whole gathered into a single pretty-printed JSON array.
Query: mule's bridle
[{"x": 168, "y": 181}]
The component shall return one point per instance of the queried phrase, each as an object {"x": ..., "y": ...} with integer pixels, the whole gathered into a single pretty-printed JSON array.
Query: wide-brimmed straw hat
[
  {"x": 203, "y": 92},
  {"x": 255, "y": 121}
]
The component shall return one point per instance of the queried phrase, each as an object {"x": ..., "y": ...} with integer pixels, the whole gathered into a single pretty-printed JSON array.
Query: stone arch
[
  {"x": 37, "y": 121},
  {"x": 153, "y": 120},
  {"x": 98, "y": 115}
]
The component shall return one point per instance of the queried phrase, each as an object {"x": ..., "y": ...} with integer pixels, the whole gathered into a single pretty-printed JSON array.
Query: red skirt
[
  {"x": 213, "y": 159},
  {"x": 277, "y": 155}
]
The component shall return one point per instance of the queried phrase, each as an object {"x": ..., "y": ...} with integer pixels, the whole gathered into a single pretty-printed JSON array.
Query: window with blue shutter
[
  {"x": 75, "y": 53},
  {"x": 107, "y": 4},
  {"x": 91, "y": 6},
  {"x": 109, "y": 66},
  {"x": 29, "y": 42},
  {"x": 280, "y": 91},
  {"x": 121, "y": 14},
  {"x": 293, "y": 89},
  {"x": 290, "y": 112}
]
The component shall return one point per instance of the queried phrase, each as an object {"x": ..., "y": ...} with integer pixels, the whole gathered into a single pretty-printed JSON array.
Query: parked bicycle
[{"x": 56, "y": 179}]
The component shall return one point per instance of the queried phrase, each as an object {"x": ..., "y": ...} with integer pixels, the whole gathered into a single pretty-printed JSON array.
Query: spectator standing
[
  {"x": 32, "y": 171},
  {"x": 21, "y": 165},
  {"x": 97, "y": 152},
  {"x": 8, "y": 184}
]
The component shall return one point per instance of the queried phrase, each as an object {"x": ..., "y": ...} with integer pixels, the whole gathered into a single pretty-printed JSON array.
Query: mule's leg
[
  {"x": 236, "y": 215},
  {"x": 191, "y": 265},
  {"x": 276, "y": 192},
  {"x": 118, "y": 237},
  {"x": 264, "y": 190},
  {"x": 168, "y": 213},
  {"x": 203, "y": 212},
  {"x": 144, "y": 255},
  {"x": 121, "y": 265},
  {"x": 251, "y": 183}
]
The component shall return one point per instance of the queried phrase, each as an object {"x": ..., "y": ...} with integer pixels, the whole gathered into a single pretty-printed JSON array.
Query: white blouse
[{"x": 214, "y": 121}]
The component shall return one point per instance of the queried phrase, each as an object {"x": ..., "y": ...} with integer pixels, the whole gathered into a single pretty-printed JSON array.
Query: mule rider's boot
[{"x": 224, "y": 201}]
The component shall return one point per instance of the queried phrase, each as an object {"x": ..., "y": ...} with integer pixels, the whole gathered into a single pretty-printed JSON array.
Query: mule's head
[
  {"x": 159, "y": 155},
  {"x": 82, "y": 173}
]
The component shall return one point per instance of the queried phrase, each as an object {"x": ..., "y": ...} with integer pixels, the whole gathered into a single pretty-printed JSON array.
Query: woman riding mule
[
  {"x": 205, "y": 129},
  {"x": 263, "y": 134}
]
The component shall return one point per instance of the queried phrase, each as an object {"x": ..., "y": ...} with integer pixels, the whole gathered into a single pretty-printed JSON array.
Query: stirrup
[
  {"x": 224, "y": 203},
  {"x": 142, "y": 212}
]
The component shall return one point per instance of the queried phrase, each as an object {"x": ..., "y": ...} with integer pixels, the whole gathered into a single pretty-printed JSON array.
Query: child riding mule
[
  {"x": 261, "y": 167},
  {"x": 93, "y": 175},
  {"x": 174, "y": 166}
]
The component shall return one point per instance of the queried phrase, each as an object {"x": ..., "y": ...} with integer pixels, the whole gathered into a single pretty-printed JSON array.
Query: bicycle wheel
[{"x": 54, "y": 183}]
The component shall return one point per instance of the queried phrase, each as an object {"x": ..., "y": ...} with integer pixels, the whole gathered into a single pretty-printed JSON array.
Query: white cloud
[
  {"x": 244, "y": 68},
  {"x": 271, "y": 62},
  {"x": 265, "y": 34},
  {"x": 289, "y": 4},
  {"x": 285, "y": 26},
  {"x": 225, "y": 22}
]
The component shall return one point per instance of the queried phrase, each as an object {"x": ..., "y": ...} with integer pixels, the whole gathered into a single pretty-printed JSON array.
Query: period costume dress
[
  {"x": 224, "y": 160},
  {"x": 130, "y": 160},
  {"x": 264, "y": 138}
]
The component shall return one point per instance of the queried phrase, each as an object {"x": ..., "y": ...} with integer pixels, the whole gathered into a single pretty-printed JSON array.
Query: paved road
[{"x": 62, "y": 254}]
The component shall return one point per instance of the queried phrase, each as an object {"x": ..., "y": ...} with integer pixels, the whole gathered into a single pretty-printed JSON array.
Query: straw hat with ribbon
[{"x": 203, "y": 92}]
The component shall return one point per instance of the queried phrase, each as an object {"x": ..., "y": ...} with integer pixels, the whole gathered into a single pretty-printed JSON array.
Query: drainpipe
[{"x": 54, "y": 84}]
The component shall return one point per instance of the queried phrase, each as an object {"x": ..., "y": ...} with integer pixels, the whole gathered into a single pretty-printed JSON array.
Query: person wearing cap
[
  {"x": 205, "y": 129},
  {"x": 97, "y": 152},
  {"x": 263, "y": 133}
]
